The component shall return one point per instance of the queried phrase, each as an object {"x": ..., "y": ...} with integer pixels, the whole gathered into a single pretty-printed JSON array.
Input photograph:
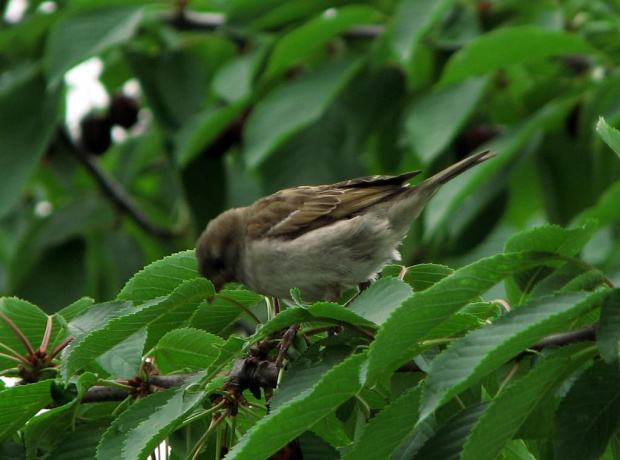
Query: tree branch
[
  {"x": 193, "y": 20},
  {"x": 113, "y": 190},
  {"x": 248, "y": 373},
  {"x": 558, "y": 340}
]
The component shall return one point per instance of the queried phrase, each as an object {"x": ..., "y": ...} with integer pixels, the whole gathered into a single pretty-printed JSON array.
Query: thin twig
[
  {"x": 242, "y": 307},
  {"x": 114, "y": 191}
]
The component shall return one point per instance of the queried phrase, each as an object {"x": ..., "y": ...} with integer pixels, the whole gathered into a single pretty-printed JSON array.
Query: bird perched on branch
[{"x": 320, "y": 239}]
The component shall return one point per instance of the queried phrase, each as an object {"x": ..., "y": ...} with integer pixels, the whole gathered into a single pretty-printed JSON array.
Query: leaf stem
[
  {"x": 433, "y": 342},
  {"x": 193, "y": 418},
  {"x": 242, "y": 307},
  {"x": 510, "y": 375},
  {"x": 124, "y": 402},
  {"x": 113, "y": 384},
  {"x": 9, "y": 371},
  {"x": 203, "y": 439},
  {"x": 248, "y": 412},
  {"x": 61, "y": 347},
  {"x": 587, "y": 267},
  {"x": 48, "y": 332},
  {"x": 14, "y": 353},
  {"x": 13, "y": 358},
  {"x": 18, "y": 333}
]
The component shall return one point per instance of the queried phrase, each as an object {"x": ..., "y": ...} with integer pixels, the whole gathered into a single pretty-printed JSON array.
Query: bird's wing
[{"x": 292, "y": 212}]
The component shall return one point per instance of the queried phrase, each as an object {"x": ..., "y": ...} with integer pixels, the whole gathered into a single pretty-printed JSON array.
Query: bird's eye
[{"x": 217, "y": 263}]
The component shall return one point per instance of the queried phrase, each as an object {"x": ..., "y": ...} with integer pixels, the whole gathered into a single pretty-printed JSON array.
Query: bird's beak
[{"x": 218, "y": 283}]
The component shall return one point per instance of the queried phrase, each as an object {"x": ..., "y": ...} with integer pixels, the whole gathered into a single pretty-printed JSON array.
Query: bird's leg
[
  {"x": 333, "y": 293},
  {"x": 285, "y": 344},
  {"x": 276, "y": 306},
  {"x": 362, "y": 287}
]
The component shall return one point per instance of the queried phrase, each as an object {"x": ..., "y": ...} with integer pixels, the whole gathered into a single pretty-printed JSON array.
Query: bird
[{"x": 320, "y": 239}]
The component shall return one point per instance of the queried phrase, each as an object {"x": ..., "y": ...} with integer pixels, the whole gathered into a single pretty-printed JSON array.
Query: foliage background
[
  {"x": 266, "y": 95},
  {"x": 290, "y": 93}
]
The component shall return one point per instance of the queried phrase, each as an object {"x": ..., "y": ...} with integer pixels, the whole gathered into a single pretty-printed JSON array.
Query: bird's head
[{"x": 219, "y": 248}]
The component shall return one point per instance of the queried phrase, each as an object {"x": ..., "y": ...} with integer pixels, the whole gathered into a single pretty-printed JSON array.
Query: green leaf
[
  {"x": 290, "y": 420},
  {"x": 204, "y": 129},
  {"x": 469, "y": 359},
  {"x": 85, "y": 33},
  {"x": 514, "y": 404},
  {"x": 77, "y": 308},
  {"x": 45, "y": 431},
  {"x": 12, "y": 451},
  {"x": 458, "y": 202},
  {"x": 123, "y": 360},
  {"x": 96, "y": 317},
  {"x": 225, "y": 308},
  {"x": 28, "y": 115},
  {"x": 380, "y": 299},
  {"x": 454, "y": 326},
  {"x": 311, "y": 37},
  {"x": 396, "y": 341},
  {"x": 160, "y": 278},
  {"x": 546, "y": 238},
  {"x": 517, "y": 450},
  {"x": 19, "y": 404},
  {"x": 411, "y": 21},
  {"x": 188, "y": 294},
  {"x": 332, "y": 430},
  {"x": 293, "y": 106},
  {"x": 175, "y": 78},
  {"x": 421, "y": 276},
  {"x": 448, "y": 441},
  {"x": 233, "y": 81},
  {"x": 606, "y": 210},
  {"x": 508, "y": 46},
  {"x": 589, "y": 414},
  {"x": 111, "y": 444},
  {"x": 608, "y": 334},
  {"x": 321, "y": 311},
  {"x": 82, "y": 442},
  {"x": 415, "y": 439},
  {"x": 229, "y": 351},
  {"x": 586, "y": 281},
  {"x": 387, "y": 430},
  {"x": 186, "y": 348},
  {"x": 163, "y": 420},
  {"x": 552, "y": 238},
  {"x": 306, "y": 372},
  {"x": 283, "y": 14},
  {"x": 610, "y": 135},
  {"x": 433, "y": 121},
  {"x": 31, "y": 321}
]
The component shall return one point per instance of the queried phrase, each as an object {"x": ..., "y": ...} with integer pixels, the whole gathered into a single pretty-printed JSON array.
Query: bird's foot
[{"x": 362, "y": 287}]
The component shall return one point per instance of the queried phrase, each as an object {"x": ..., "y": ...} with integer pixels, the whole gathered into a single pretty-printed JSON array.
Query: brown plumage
[{"x": 320, "y": 239}]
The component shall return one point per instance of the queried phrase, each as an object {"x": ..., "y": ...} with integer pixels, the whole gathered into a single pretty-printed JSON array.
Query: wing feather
[{"x": 293, "y": 212}]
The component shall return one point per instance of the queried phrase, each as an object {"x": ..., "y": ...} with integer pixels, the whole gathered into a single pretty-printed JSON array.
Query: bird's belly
[{"x": 329, "y": 259}]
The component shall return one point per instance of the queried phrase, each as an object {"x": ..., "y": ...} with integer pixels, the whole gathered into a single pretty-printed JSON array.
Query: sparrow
[{"x": 320, "y": 239}]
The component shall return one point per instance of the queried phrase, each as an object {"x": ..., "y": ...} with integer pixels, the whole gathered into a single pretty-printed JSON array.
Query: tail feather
[{"x": 455, "y": 170}]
